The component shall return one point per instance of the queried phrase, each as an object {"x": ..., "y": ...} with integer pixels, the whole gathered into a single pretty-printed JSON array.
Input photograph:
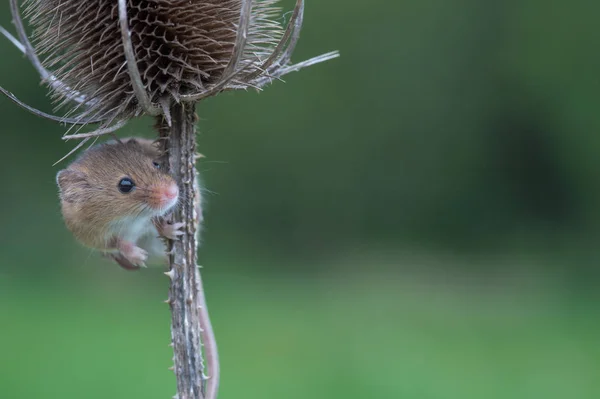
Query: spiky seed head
[{"x": 181, "y": 48}]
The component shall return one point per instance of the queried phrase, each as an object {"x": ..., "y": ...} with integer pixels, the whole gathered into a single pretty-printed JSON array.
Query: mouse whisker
[{"x": 140, "y": 208}]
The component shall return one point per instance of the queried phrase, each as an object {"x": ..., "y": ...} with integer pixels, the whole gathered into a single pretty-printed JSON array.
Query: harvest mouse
[{"x": 114, "y": 197}]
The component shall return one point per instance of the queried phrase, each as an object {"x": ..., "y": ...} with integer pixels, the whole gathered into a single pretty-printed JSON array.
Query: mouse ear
[
  {"x": 132, "y": 142},
  {"x": 70, "y": 184}
]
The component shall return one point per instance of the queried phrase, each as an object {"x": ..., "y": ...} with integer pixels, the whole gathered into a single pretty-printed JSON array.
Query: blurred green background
[{"x": 417, "y": 219}]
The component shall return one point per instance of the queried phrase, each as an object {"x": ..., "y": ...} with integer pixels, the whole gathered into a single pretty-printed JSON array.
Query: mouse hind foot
[
  {"x": 122, "y": 261},
  {"x": 128, "y": 255}
]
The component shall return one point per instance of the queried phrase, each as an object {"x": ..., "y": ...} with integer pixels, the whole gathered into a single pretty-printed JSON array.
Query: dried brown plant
[
  {"x": 110, "y": 61},
  {"x": 107, "y": 61}
]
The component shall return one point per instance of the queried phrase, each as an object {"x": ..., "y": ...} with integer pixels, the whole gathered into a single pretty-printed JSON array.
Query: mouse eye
[
  {"x": 156, "y": 164},
  {"x": 126, "y": 185}
]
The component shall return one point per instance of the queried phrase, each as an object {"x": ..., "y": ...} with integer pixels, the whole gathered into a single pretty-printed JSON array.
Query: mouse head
[{"x": 123, "y": 178}]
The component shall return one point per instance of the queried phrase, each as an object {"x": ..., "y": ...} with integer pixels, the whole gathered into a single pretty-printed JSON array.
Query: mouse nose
[
  {"x": 171, "y": 192},
  {"x": 168, "y": 195}
]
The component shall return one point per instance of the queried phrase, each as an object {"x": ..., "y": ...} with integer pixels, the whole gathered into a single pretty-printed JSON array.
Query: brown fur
[{"x": 91, "y": 202}]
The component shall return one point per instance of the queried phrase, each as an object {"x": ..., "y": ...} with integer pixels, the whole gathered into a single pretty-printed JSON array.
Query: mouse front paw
[
  {"x": 133, "y": 254},
  {"x": 172, "y": 231},
  {"x": 137, "y": 256}
]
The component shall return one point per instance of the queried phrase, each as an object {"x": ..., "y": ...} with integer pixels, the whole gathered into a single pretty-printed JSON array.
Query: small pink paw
[
  {"x": 134, "y": 254},
  {"x": 171, "y": 231},
  {"x": 122, "y": 261},
  {"x": 137, "y": 256}
]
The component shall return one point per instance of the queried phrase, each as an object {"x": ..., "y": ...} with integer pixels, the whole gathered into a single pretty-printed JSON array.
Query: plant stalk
[{"x": 191, "y": 329}]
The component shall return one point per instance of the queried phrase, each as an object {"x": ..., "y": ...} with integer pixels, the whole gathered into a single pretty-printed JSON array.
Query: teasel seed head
[{"x": 108, "y": 61}]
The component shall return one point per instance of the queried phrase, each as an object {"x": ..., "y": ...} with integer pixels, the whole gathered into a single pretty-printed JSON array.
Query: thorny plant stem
[{"x": 191, "y": 328}]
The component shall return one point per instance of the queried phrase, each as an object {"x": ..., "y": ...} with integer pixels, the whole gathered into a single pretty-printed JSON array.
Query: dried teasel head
[{"x": 117, "y": 59}]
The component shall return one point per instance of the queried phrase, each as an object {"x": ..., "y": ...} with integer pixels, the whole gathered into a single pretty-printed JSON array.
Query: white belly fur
[{"x": 132, "y": 228}]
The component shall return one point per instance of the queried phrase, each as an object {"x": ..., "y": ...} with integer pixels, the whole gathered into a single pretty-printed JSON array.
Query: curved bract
[{"x": 111, "y": 61}]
